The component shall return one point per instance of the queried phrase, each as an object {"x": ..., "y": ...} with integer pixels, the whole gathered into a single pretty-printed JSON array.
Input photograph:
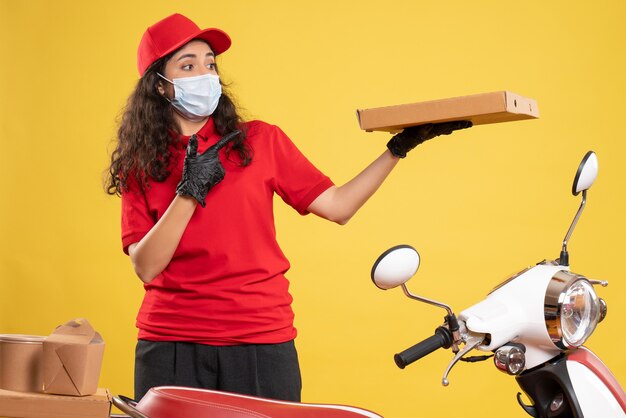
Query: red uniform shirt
[{"x": 225, "y": 284}]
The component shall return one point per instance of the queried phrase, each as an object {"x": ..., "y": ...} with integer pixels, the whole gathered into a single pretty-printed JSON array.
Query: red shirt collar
[{"x": 204, "y": 134}]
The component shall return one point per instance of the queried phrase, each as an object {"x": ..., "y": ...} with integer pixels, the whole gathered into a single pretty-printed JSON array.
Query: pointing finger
[
  {"x": 192, "y": 146},
  {"x": 226, "y": 139}
]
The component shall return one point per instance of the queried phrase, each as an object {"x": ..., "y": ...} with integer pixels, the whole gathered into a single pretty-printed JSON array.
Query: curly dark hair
[{"x": 144, "y": 134}]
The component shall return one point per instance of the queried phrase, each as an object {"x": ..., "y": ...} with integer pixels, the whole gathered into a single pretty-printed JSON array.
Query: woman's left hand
[{"x": 411, "y": 137}]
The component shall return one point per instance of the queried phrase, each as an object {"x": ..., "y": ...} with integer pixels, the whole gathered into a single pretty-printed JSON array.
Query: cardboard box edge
[
  {"x": 478, "y": 118},
  {"x": 23, "y": 404}
]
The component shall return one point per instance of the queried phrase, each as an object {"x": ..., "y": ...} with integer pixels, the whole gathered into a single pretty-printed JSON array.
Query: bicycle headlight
[{"x": 571, "y": 309}]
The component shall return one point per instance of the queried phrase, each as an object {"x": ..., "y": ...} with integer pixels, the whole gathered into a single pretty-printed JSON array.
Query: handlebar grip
[{"x": 441, "y": 339}]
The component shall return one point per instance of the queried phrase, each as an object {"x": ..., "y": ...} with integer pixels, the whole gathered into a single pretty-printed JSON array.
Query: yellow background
[{"x": 478, "y": 205}]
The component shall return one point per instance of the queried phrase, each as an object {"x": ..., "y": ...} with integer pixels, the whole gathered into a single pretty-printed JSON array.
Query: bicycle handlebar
[{"x": 441, "y": 339}]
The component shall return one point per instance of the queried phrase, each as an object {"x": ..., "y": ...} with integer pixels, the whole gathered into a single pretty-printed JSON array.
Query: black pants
[{"x": 266, "y": 370}]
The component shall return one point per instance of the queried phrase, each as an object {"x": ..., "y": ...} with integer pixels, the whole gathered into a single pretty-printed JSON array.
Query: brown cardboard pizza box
[{"x": 484, "y": 108}]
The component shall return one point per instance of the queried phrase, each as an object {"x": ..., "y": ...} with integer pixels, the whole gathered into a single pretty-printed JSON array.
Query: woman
[{"x": 197, "y": 186}]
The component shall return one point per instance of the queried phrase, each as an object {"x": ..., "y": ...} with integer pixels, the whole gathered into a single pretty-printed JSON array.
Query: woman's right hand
[{"x": 201, "y": 172}]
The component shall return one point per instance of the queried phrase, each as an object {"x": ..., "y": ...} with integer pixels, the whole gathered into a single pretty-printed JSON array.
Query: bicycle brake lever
[{"x": 471, "y": 343}]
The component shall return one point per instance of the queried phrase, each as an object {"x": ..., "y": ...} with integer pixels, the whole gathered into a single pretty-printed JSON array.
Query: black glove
[
  {"x": 411, "y": 137},
  {"x": 201, "y": 172}
]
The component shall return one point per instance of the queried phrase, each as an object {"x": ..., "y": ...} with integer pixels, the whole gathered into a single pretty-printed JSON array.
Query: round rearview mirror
[
  {"x": 586, "y": 174},
  {"x": 395, "y": 266}
]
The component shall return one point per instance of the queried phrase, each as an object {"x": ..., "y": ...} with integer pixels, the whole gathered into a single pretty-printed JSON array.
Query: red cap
[{"x": 171, "y": 33}]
